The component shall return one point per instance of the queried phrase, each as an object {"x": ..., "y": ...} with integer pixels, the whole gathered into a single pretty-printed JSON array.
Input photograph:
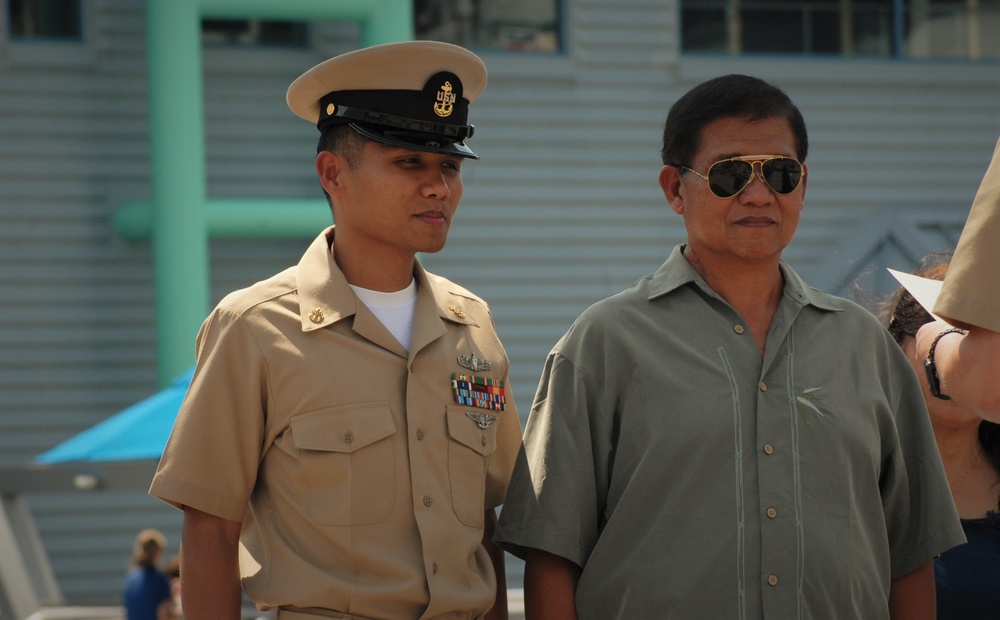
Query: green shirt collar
[{"x": 677, "y": 272}]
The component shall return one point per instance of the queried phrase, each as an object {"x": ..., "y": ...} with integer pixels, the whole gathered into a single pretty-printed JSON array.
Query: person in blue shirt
[{"x": 146, "y": 594}]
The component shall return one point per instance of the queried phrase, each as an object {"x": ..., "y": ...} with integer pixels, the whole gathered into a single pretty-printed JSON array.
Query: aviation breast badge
[{"x": 481, "y": 392}]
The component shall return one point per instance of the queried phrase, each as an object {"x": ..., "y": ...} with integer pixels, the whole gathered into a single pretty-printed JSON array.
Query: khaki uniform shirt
[
  {"x": 360, "y": 482},
  {"x": 970, "y": 294},
  {"x": 690, "y": 478}
]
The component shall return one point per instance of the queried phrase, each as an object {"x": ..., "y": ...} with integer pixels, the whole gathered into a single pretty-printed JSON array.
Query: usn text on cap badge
[
  {"x": 445, "y": 101},
  {"x": 482, "y": 420},
  {"x": 473, "y": 363}
]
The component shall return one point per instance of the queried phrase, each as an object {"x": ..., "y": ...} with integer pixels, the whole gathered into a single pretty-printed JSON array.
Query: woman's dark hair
[
  {"x": 906, "y": 316},
  {"x": 728, "y": 96}
]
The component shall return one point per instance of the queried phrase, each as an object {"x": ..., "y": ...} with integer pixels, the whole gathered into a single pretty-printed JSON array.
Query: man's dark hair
[
  {"x": 728, "y": 96},
  {"x": 343, "y": 140}
]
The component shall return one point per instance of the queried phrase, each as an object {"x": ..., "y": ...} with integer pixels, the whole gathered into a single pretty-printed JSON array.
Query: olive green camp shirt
[{"x": 690, "y": 478}]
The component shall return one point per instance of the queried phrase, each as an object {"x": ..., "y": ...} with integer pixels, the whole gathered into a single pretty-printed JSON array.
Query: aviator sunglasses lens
[
  {"x": 728, "y": 178},
  {"x": 782, "y": 175}
]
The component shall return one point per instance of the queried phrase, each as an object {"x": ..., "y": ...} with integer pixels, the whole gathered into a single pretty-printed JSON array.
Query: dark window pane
[
  {"x": 873, "y": 30},
  {"x": 824, "y": 32},
  {"x": 44, "y": 19},
  {"x": 772, "y": 31},
  {"x": 704, "y": 30},
  {"x": 523, "y": 25},
  {"x": 254, "y": 32}
]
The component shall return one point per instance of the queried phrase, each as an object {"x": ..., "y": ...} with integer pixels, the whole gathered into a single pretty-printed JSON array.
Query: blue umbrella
[{"x": 138, "y": 432}]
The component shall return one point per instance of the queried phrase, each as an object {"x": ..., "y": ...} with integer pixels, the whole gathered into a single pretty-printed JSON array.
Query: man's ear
[
  {"x": 805, "y": 178},
  {"x": 329, "y": 167},
  {"x": 670, "y": 183}
]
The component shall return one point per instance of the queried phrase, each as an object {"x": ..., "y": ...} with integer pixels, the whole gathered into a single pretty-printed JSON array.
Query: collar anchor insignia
[{"x": 473, "y": 363}]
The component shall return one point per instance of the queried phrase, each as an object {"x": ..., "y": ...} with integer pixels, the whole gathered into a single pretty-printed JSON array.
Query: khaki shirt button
[
  {"x": 484, "y": 440},
  {"x": 763, "y": 386},
  {"x": 420, "y": 434},
  {"x": 434, "y": 567},
  {"x": 772, "y": 513},
  {"x": 428, "y": 501},
  {"x": 739, "y": 329},
  {"x": 768, "y": 449},
  {"x": 348, "y": 437},
  {"x": 772, "y": 580}
]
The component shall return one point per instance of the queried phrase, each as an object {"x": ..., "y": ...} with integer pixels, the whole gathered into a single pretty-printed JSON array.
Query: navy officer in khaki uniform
[{"x": 350, "y": 428}]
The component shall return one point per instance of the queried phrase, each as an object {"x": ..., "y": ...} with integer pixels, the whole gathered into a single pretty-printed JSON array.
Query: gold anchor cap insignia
[{"x": 445, "y": 100}]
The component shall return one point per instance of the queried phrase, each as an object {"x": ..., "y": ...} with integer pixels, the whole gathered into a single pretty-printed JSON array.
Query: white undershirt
[{"x": 395, "y": 310}]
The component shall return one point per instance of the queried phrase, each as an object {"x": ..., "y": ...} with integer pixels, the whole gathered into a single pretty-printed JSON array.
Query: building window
[
  {"x": 57, "y": 20},
  {"x": 254, "y": 32},
  {"x": 521, "y": 25},
  {"x": 903, "y": 28}
]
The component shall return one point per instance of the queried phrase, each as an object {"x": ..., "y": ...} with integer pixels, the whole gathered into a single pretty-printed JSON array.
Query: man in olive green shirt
[{"x": 720, "y": 440}]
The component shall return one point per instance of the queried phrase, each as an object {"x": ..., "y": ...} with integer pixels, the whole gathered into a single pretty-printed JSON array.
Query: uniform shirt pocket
[
  {"x": 473, "y": 434},
  {"x": 348, "y": 462}
]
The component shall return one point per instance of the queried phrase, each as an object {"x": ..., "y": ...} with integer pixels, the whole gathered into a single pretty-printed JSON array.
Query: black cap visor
[{"x": 413, "y": 140}]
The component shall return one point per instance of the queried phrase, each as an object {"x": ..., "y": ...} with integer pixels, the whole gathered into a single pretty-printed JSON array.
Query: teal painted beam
[
  {"x": 391, "y": 20},
  {"x": 180, "y": 219},
  {"x": 236, "y": 218},
  {"x": 382, "y": 21},
  {"x": 180, "y": 242},
  {"x": 302, "y": 10}
]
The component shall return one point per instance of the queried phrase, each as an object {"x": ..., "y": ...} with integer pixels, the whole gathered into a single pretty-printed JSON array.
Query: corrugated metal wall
[{"x": 563, "y": 209}]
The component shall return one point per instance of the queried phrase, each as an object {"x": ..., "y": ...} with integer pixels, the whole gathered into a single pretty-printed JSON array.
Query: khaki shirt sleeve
[
  {"x": 210, "y": 462},
  {"x": 970, "y": 294}
]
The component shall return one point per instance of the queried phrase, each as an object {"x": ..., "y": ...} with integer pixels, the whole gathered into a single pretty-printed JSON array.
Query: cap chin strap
[
  {"x": 426, "y": 143},
  {"x": 456, "y": 133}
]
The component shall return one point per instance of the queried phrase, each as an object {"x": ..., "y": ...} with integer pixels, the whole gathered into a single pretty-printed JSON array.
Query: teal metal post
[
  {"x": 181, "y": 217},
  {"x": 390, "y": 20},
  {"x": 180, "y": 240}
]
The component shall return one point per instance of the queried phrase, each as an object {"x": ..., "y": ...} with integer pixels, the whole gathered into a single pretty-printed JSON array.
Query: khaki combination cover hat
[
  {"x": 970, "y": 294},
  {"x": 413, "y": 95}
]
